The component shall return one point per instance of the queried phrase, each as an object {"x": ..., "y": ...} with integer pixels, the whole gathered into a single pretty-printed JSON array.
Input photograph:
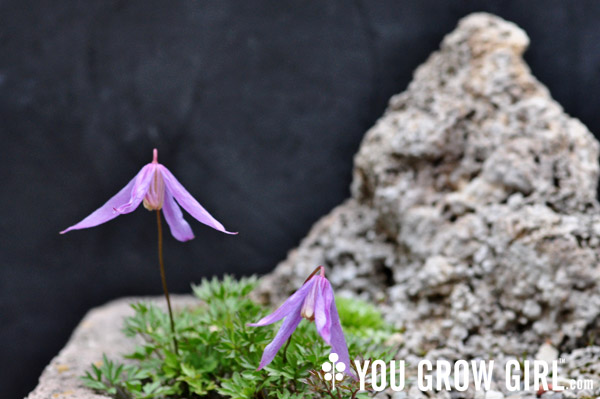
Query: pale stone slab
[{"x": 98, "y": 333}]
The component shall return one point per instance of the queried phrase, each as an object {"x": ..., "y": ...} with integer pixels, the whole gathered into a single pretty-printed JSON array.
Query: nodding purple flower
[
  {"x": 314, "y": 301},
  {"x": 157, "y": 188}
]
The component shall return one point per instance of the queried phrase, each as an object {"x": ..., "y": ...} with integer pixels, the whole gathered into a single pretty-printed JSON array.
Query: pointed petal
[
  {"x": 323, "y": 309},
  {"x": 287, "y": 328},
  {"x": 139, "y": 190},
  {"x": 189, "y": 203},
  {"x": 338, "y": 342},
  {"x": 107, "y": 211},
  {"x": 180, "y": 229},
  {"x": 289, "y": 306}
]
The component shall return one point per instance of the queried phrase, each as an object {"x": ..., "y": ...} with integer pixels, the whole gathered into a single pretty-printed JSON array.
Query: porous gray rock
[{"x": 473, "y": 219}]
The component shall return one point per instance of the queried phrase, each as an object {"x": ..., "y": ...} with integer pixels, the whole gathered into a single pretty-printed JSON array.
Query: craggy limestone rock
[
  {"x": 473, "y": 219},
  {"x": 98, "y": 333}
]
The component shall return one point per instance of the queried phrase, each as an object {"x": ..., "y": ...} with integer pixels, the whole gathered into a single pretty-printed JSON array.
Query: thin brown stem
[
  {"x": 282, "y": 382},
  {"x": 319, "y": 269},
  {"x": 164, "y": 279},
  {"x": 285, "y": 350}
]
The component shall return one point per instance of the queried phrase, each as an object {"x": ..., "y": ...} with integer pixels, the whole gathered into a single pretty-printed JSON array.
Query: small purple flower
[
  {"x": 313, "y": 301},
  {"x": 157, "y": 188}
]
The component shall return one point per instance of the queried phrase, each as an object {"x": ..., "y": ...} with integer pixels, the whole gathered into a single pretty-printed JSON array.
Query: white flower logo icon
[{"x": 333, "y": 370}]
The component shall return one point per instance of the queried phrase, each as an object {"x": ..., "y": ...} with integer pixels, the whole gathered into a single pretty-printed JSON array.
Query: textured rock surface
[
  {"x": 473, "y": 218},
  {"x": 98, "y": 333}
]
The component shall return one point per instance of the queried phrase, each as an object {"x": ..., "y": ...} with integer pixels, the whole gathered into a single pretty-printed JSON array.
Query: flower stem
[
  {"x": 319, "y": 269},
  {"x": 282, "y": 382},
  {"x": 285, "y": 350},
  {"x": 164, "y": 279}
]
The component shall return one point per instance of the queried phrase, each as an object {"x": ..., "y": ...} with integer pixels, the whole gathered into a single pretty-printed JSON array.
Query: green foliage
[
  {"x": 362, "y": 321},
  {"x": 359, "y": 315},
  {"x": 218, "y": 353}
]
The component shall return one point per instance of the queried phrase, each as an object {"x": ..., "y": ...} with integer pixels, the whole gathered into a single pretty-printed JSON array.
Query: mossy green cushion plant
[{"x": 219, "y": 354}]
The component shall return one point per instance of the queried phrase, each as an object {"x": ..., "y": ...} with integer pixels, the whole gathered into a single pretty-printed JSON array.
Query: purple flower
[
  {"x": 157, "y": 188},
  {"x": 313, "y": 301}
]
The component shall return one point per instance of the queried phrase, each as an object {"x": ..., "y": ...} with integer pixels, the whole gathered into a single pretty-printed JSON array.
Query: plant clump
[{"x": 218, "y": 353}]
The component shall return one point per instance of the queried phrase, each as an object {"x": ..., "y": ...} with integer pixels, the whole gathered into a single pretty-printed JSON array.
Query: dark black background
[{"x": 256, "y": 106}]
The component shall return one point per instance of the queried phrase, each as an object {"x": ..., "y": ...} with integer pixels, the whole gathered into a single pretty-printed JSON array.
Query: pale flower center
[
  {"x": 155, "y": 197},
  {"x": 308, "y": 307}
]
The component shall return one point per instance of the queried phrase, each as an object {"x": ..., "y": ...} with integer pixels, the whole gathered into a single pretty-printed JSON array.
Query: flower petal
[
  {"x": 180, "y": 229},
  {"x": 289, "y": 306},
  {"x": 287, "y": 328},
  {"x": 107, "y": 211},
  {"x": 139, "y": 190},
  {"x": 189, "y": 203},
  {"x": 323, "y": 309},
  {"x": 338, "y": 342}
]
